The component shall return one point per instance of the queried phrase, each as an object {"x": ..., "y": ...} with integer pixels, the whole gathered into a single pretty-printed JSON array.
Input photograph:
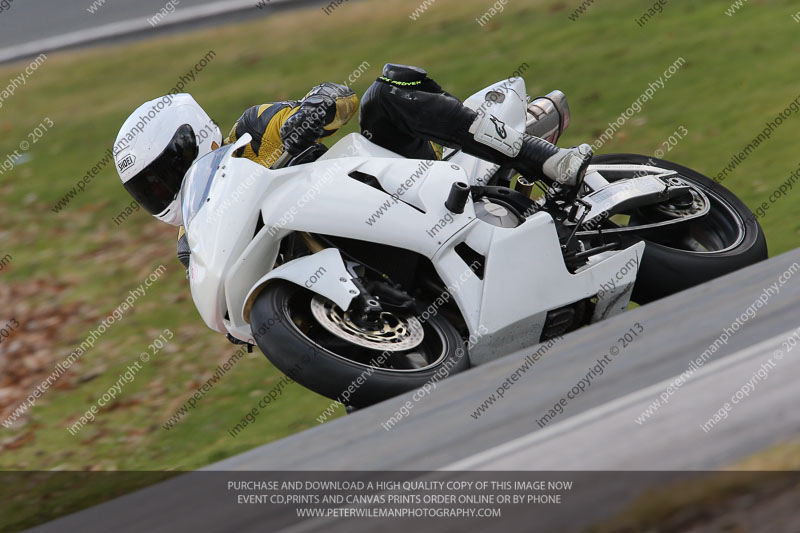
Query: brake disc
[{"x": 397, "y": 334}]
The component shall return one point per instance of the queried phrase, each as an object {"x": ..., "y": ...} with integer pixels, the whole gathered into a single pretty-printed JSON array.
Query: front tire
[{"x": 290, "y": 336}]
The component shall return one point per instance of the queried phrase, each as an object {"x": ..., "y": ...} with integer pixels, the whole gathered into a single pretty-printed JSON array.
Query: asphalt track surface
[
  {"x": 597, "y": 430},
  {"x": 27, "y": 27}
]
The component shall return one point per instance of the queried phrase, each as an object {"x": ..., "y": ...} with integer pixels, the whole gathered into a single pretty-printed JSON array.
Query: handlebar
[{"x": 282, "y": 161}]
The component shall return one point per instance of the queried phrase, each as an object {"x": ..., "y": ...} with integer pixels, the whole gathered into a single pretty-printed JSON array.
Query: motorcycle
[{"x": 359, "y": 272}]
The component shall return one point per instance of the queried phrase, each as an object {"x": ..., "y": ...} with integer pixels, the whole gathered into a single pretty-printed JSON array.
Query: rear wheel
[
  {"x": 313, "y": 341},
  {"x": 726, "y": 239}
]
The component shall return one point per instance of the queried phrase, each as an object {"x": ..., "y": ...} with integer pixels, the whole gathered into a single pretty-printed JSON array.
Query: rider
[
  {"x": 403, "y": 111},
  {"x": 294, "y": 125}
]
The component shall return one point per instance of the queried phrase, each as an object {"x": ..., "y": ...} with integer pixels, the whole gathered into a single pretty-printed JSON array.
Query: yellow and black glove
[{"x": 324, "y": 110}]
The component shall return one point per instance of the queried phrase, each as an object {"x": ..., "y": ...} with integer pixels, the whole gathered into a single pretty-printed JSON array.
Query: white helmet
[{"x": 157, "y": 145}]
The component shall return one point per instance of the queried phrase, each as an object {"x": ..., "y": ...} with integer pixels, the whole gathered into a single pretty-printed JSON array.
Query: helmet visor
[{"x": 158, "y": 184}]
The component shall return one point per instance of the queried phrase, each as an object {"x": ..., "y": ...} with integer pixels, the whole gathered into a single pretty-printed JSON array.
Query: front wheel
[
  {"x": 726, "y": 239},
  {"x": 312, "y": 341}
]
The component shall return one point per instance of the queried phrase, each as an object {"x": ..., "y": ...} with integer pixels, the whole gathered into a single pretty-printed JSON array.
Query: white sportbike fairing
[{"x": 508, "y": 280}]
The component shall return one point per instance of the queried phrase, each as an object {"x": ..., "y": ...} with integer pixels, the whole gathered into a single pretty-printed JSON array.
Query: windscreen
[{"x": 198, "y": 182}]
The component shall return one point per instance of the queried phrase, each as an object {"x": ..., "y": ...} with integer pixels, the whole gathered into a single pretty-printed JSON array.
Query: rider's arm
[{"x": 329, "y": 106}]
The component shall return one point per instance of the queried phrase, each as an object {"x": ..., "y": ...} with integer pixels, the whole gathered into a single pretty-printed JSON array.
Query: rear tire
[
  {"x": 295, "y": 342},
  {"x": 665, "y": 270}
]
